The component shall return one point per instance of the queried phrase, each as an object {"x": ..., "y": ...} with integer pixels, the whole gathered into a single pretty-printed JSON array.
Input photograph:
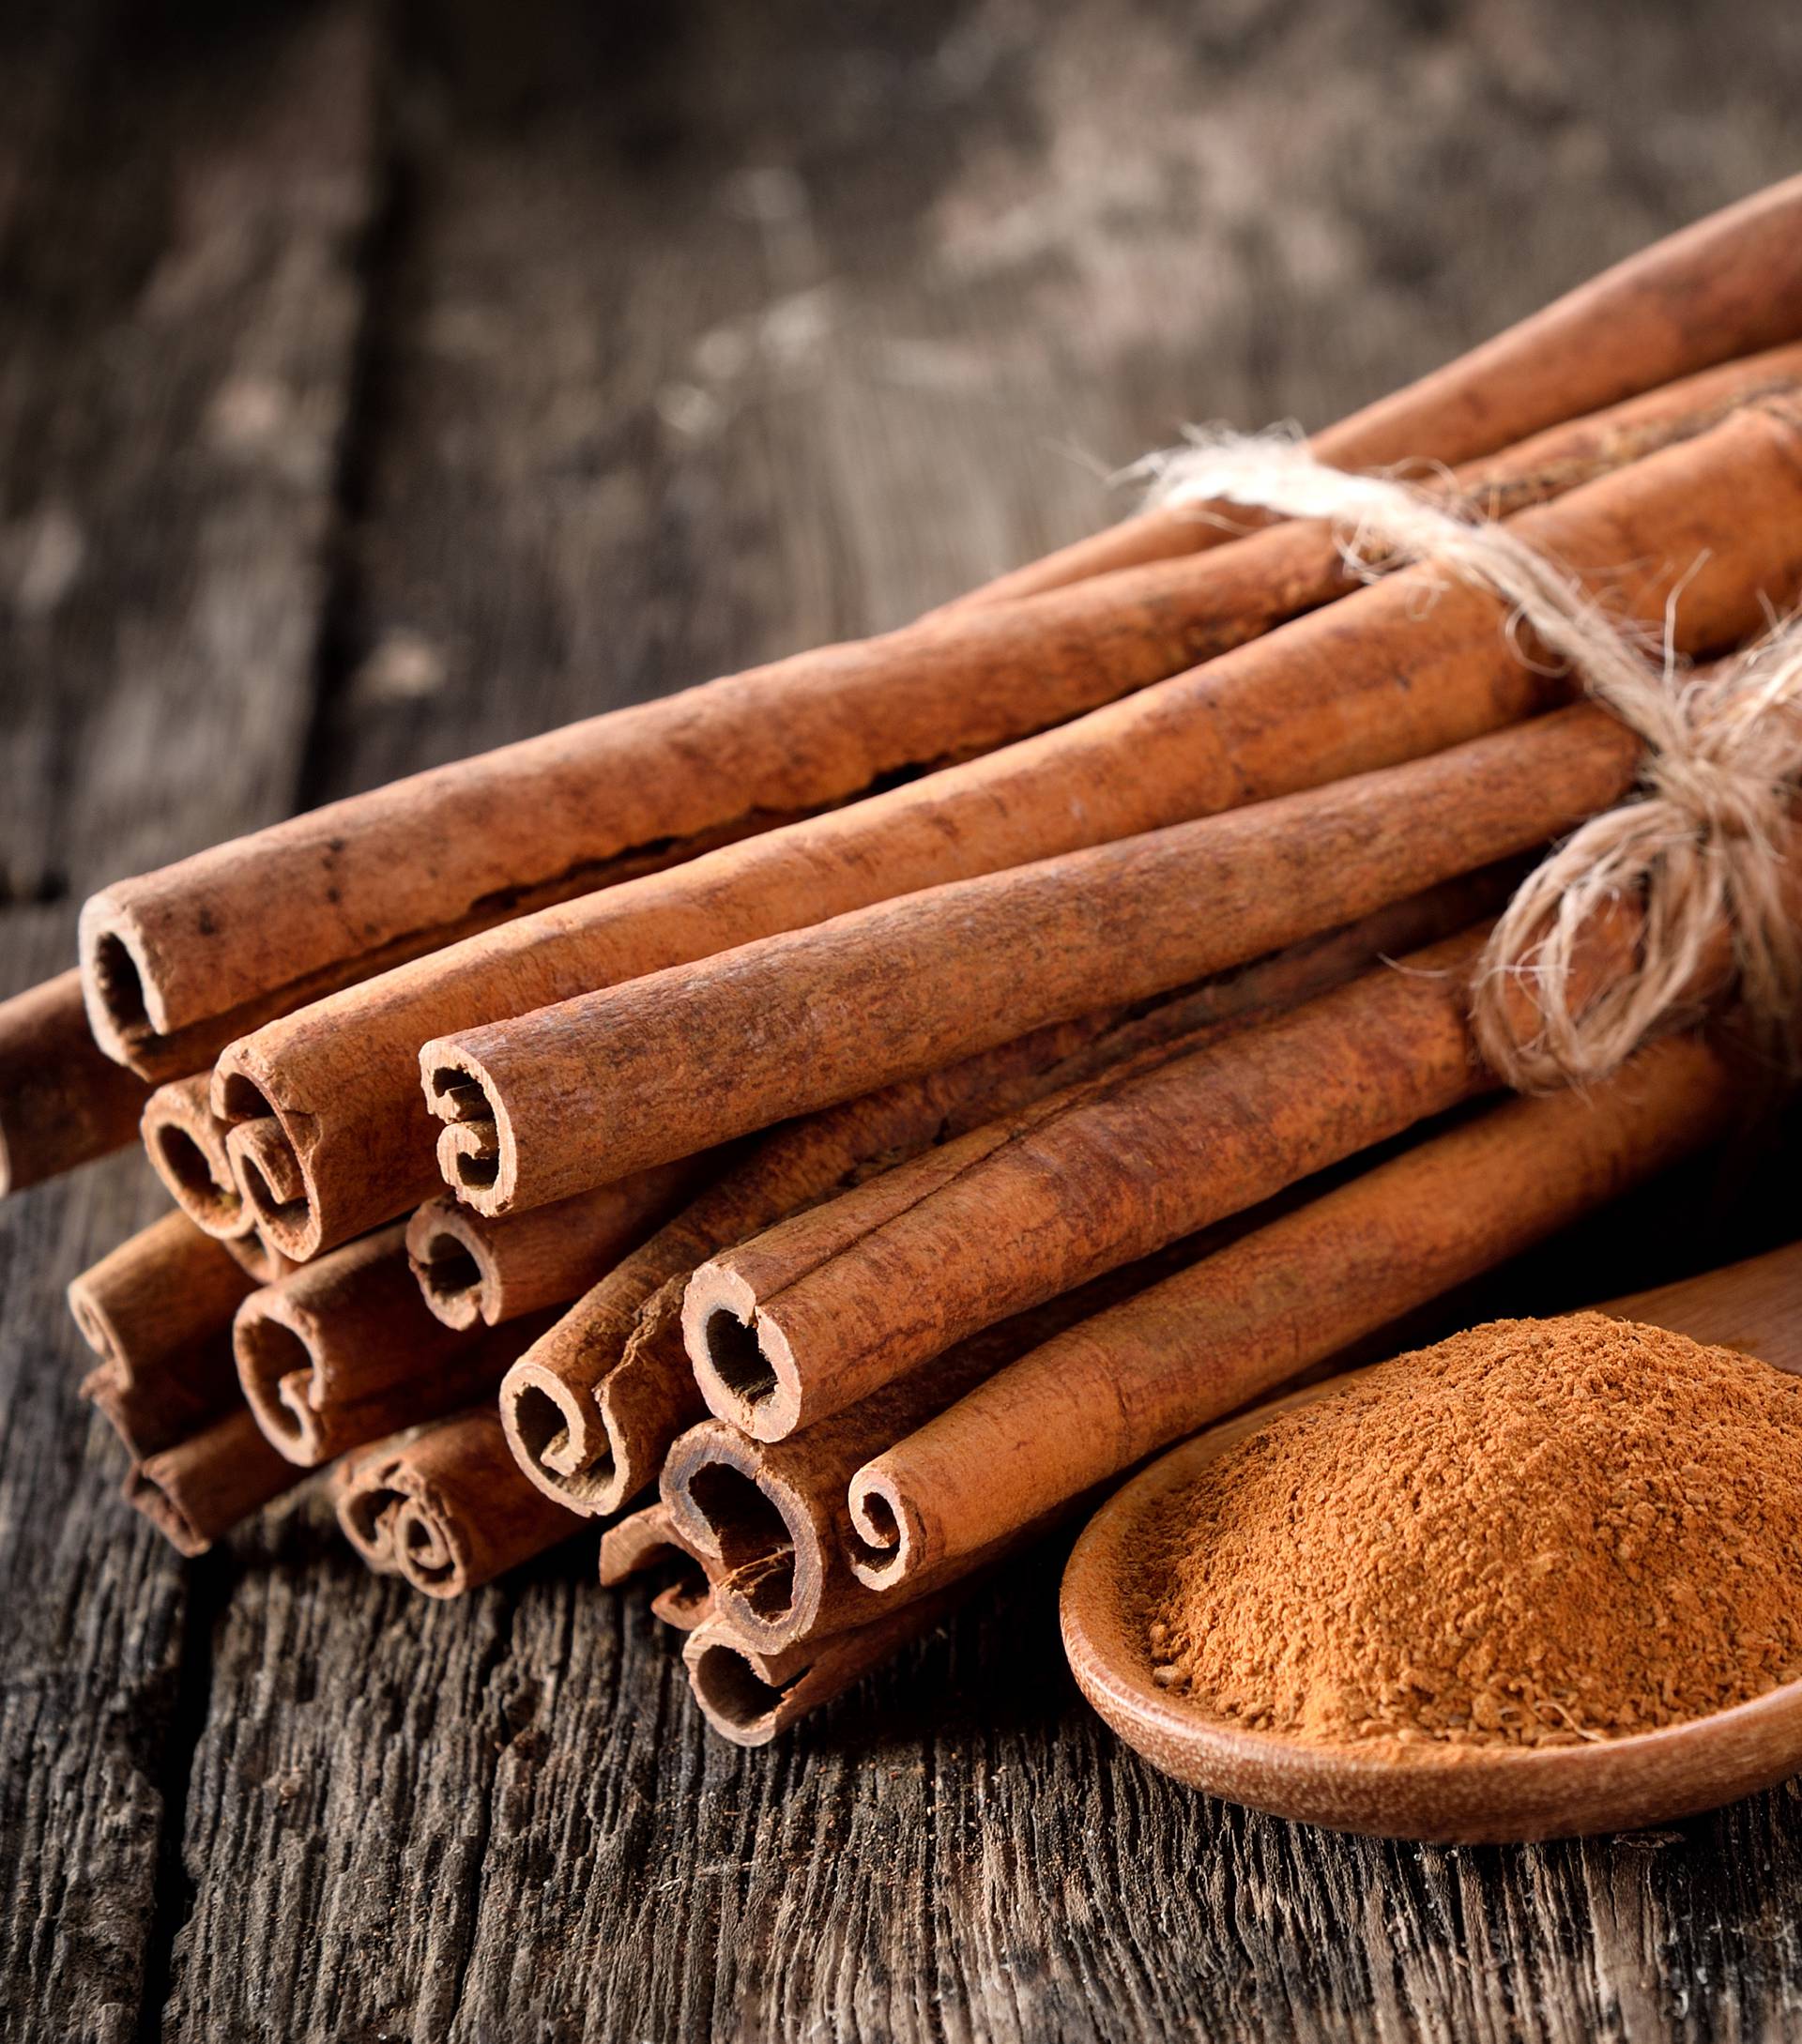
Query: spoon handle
[{"x": 1754, "y": 1306}]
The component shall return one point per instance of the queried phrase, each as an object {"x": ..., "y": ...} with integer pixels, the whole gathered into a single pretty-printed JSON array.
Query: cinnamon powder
[{"x": 1538, "y": 1532}]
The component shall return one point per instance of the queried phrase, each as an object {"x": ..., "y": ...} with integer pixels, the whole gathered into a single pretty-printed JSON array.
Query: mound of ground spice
[{"x": 1536, "y": 1532}]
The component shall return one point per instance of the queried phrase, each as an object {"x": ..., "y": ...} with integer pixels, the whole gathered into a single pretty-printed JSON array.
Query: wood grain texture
[
  {"x": 178, "y": 298},
  {"x": 690, "y": 336}
]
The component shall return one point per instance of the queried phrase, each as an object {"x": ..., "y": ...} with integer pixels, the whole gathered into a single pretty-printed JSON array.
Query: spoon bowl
[{"x": 1432, "y": 1791}]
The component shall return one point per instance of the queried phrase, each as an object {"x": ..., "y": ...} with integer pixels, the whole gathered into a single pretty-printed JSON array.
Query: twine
[{"x": 1698, "y": 854}]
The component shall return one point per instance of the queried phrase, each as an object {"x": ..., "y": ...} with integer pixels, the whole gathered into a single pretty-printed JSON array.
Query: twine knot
[{"x": 1690, "y": 879}]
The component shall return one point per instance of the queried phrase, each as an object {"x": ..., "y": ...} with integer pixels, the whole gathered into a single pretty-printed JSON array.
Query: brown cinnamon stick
[
  {"x": 258, "y": 1258},
  {"x": 344, "y": 1351},
  {"x": 1095, "y": 1399},
  {"x": 445, "y": 1505},
  {"x": 750, "y": 1695},
  {"x": 62, "y": 1101},
  {"x": 646, "y": 1542},
  {"x": 472, "y": 1267},
  {"x": 770, "y": 1521},
  {"x": 185, "y": 1141},
  {"x": 198, "y": 1489},
  {"x": 1728, "y": 285},
  {"x": 827, "y": 1307},
  {"x": 593, "y": 1406},
  {"x": 796, "y": 1022},
  {"x": 179, "y": 962},
  {"x": 330, "y": 1141},
  {"x": 504, "y": 1089},
  {"x": 157, "y": 1311}
]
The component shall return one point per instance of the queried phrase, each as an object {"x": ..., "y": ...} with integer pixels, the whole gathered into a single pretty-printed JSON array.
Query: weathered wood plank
[{"x": 178, "y": 291}]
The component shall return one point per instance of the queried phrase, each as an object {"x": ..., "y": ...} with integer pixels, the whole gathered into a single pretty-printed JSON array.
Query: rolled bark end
[
  {"x": 743, "y": 1361},
  {"x": 475, "y": 1152},
  {"x": 271, "y": 1177},
  {"x": 366, "y": 1519},
  {"x": 429, "y": 1552},
  {"x": 423, "y": 1546},
  {"x": 888, "y": 1540},
  {"x": 157, "y": 1311},
  {"x": 397, "y": 1533},
  {"x": 203, "y": 1486},
  {"x": 163, "y": 1505},
  {"x": 735, "y": 1697},
  {"x": 125, "y": 1008},
  {"x": 182, "y": 1165},
  {"x": 454, "y": 1265},
  {"x": 770, "y": 1570},
  {"x": 94, "y": 1325},
  {"x": 443, "y": 1506},
  {"x": 646, "y": 1543},
  {"x": 558, "y": 1439},
  {"x": 749, "y": 1695},
  {"x": 185, "y": 1143},
  {"x": 686, "y": 1600},
  {"x": 277, "y": 1369}
]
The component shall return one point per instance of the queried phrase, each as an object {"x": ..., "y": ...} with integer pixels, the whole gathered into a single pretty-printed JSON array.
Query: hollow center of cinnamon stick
[
  {"x": 116, "y": 972},
  {"x": 542, "y": 1429},
  {"x": 450, "y": 1270},
  {"x": 727, "y": 1683},
  {"x": 742, "y": 1365},
  {"x": 274, "y": 1354},
  {"x": 878, "y": 1533},
  {"x": 477, "y": 1170},
  {"x": 187, "y": 1166},
  {"x": 426, "y": 1552},
  {"x": 756, "y": 1543}
]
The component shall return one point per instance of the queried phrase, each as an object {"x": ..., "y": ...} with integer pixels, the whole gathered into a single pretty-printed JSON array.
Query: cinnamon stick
[
  {"x": 472, "y": 1267},
  {"x": 749, "y": 1695},
  {"x": 196, "y": 1490},
  {"x": 825, "y": 1308},
  {"x": 1096, "y": 1398},
  {"x": 798, "y": 1022},
  {"x": 646, "y": 1542},
  {"x": 770, "y": 1521},
  {"x": 445, "y": 1506},
  {"x": 1728, "y": 285},
  {"x": 344, "y": 1351},
  {"x": 505, "y": 1089},
  {"x": 185, "y": 1141},
  {"x": 593, "y": 1406},
  {"x": 258, "y": 1258},
  {"x": 179, "y": 962},
  {"x": 332, "y": 1135},
  {"x": 157, "y": 1311},
  {"x": 62, "y": 1101}
]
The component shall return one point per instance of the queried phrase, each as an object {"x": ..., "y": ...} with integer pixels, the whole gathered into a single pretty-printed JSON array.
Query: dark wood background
[{"x": 377, "y": 385}]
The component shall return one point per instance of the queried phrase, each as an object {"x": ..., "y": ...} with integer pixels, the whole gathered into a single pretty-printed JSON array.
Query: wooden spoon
[{"x": 1458, "y": 1795}]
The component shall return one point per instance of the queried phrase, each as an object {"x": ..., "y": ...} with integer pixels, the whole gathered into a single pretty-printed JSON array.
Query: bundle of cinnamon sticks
[{"x": 830, "y": 1121}]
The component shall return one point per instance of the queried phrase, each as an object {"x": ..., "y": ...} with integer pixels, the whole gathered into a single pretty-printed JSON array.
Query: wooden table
[{"x": 379, "y": 383}]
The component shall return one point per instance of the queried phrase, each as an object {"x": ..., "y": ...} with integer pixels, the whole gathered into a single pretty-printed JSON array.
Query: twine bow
[{"x": 1699, "y": 855}]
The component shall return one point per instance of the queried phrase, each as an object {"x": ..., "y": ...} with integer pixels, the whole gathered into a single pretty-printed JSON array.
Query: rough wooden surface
[{"x": 377, "y": 383}]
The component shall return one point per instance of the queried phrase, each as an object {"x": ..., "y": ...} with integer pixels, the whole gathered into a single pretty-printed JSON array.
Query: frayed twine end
[{"x": 1665, "y": 901}]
